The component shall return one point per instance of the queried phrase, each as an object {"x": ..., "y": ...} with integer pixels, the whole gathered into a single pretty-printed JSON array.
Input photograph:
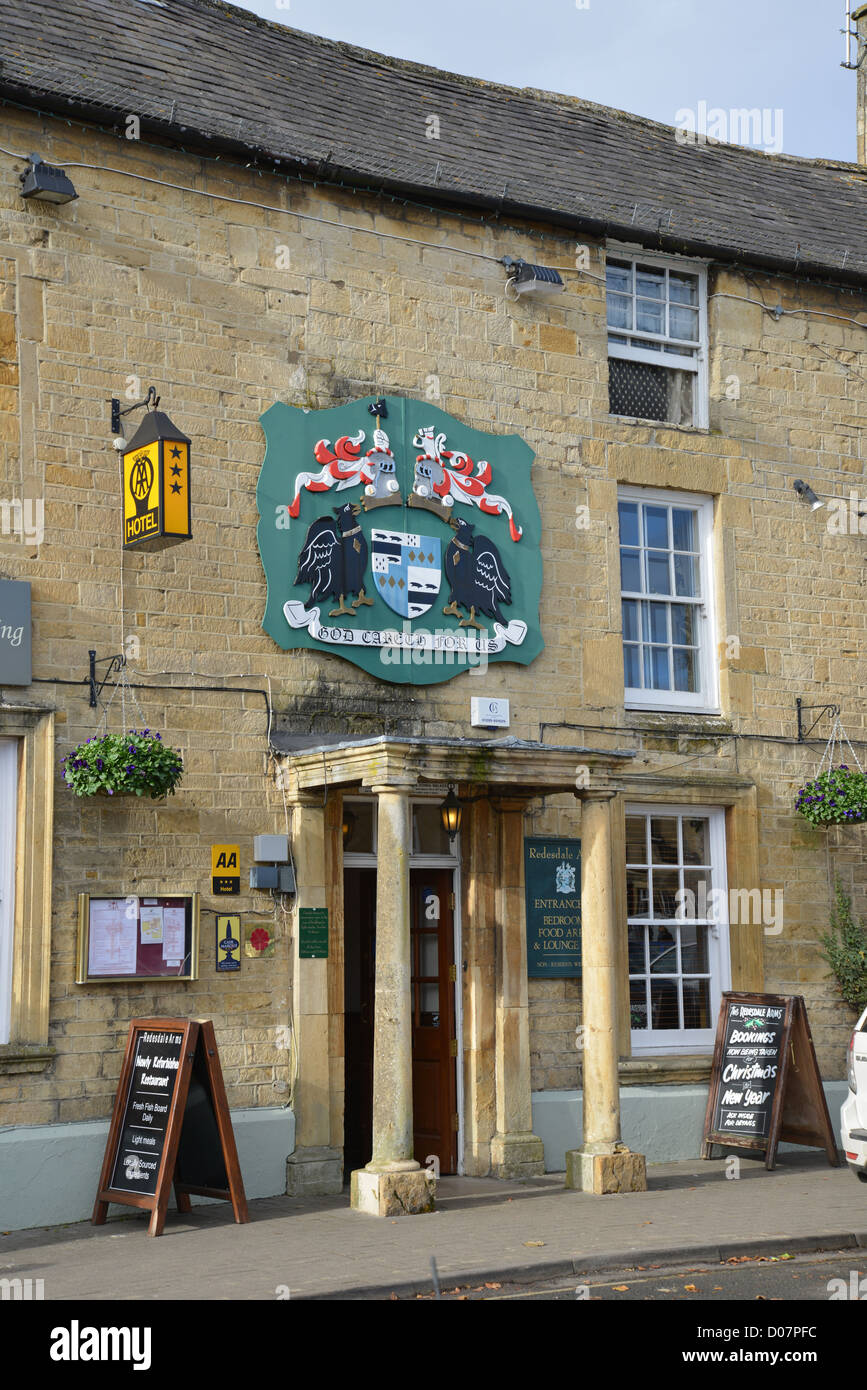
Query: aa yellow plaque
[{"x": 156, "y": 485}]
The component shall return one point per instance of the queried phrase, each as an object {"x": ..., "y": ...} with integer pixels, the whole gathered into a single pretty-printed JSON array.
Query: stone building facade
[{"x": 234, "y": 283}]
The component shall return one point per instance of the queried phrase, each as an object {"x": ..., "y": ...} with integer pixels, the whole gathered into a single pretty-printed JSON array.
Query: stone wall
[{"x": 226, "y": 308}]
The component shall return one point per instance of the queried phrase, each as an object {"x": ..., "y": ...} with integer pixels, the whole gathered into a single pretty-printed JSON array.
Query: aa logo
[
  {"x": 227, "y": 860},
  {"x": 141, "y": 478}
]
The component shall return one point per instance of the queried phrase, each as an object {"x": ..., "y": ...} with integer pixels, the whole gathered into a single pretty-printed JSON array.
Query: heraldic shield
[{"x": 395, "y": 536}]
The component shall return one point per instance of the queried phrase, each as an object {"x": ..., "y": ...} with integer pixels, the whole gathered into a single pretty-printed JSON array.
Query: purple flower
[
  {"x": 110, "y": 792},
  {"x": 159, "y": 736},
  {"x": 99, "y": 763}
]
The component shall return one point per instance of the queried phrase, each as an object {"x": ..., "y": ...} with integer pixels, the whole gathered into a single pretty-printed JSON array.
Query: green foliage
[
  {"x": 133, "y": 764},
  {"x": 836, "y": 797},
  {"x": 845, "y": 949}
]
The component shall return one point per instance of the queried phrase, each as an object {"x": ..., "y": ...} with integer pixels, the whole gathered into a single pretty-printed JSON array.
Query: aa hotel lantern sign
[
  {"x": 397, "y": 537},
  {"x": 156, "y": 485}
]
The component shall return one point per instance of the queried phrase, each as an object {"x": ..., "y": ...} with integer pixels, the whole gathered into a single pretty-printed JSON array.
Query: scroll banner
[{"x": 298, "y": 616}]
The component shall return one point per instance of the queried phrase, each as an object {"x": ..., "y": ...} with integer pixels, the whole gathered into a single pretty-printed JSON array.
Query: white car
[{"x": 853, "y": 1115}]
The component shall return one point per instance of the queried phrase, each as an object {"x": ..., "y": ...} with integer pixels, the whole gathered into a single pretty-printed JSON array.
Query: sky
[{"x": 658, "y": 58}]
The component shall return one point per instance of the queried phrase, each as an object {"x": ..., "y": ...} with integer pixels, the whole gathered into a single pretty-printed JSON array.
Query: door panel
[
  {"x": 359, "y": 957},
  {"x": 434, "y": 1067}
]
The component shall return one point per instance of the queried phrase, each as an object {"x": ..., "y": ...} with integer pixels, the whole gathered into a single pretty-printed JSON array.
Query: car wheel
[{"x": 862, "y": 1177}]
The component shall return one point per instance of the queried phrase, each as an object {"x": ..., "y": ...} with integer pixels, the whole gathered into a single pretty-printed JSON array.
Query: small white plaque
[{"x": 489, "y": 714}]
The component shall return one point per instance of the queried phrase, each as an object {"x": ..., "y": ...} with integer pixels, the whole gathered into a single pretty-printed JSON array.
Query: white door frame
[{"x": 8, "y": 831}]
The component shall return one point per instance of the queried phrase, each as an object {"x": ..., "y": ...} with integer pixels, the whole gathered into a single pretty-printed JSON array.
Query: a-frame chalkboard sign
[
  {"x": 765, "y": 1085},
  {"x": 170, "y": 1124}
]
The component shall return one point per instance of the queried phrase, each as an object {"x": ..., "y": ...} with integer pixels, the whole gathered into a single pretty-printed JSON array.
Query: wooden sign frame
[
  {"x": 799, "y": 1110},
  {"x": 189, "y": 967},
  {"x": 197, "y": 1038}
]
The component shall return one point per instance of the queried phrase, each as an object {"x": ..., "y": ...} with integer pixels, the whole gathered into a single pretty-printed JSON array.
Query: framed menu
[{"x": 137, "y": 937}]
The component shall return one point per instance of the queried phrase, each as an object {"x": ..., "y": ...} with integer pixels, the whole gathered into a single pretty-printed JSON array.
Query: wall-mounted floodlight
[
  {"x": 540, "y": 281},
  {"x": 46, "y": 182},
  {"x": 806, "y": 494}
]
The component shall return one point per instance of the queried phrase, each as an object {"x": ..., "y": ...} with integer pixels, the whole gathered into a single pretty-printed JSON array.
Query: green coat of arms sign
[{"x": 396, "y": 536}]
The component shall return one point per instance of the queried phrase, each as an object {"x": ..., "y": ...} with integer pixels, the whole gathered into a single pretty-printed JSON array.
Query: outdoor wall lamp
[
  {"x": 806, "y": 494},
  {"x": 46, "y": 182},
  {"x": 539, "y": 281},
  {"x": 451, "y": 810},
  {"x": 349, "y": 820}
]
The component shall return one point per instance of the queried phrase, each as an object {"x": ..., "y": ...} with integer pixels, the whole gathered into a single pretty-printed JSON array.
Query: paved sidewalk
[{"x": 482, "y": 1229}]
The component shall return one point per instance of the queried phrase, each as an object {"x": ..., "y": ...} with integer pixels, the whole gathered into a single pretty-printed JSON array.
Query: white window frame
[
  {"x": 665, "y": 1042},
  {"x": 705, "y": 700},
  {"x": 697, "y": 364},
  {"x": 8, "y": 830}
]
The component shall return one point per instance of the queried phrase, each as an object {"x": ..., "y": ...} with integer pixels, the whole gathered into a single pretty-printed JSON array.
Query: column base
[
  {"x": 314, "y": 1172},
  {"x": 393, "y": 1193},
  {"x": 605, "y": 1173},
  {"x": 517, "y": 1156}
]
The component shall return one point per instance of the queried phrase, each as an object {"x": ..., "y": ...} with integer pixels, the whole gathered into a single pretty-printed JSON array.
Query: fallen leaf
[
  {"x": 690, "y": 1288},
  {"x": 534, "y": 1242},
  {"x": 620, "y": 1288},
  {"x": 493, "y": 1286}
]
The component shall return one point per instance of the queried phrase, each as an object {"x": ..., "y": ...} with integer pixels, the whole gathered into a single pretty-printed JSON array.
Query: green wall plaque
[
  {"x": 313, "y": 933},
  {"x": 399, "y": 538},
  {"x": 552, "y": 882}
]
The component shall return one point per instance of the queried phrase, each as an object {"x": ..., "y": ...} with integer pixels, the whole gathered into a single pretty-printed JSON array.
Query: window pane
[
  {"x": 699, "y": 883},
  {"x": 429, "y": 954},
  {"x": 637, "y": 893},
  {"x": 683, "y": 624},
  {"x": 618, "y": 276},
  {"x": 428, "y": 835},
  {"x": 666, "y": 884},
  {"x": 430, "y": 1006},
  {"x": 649, "y": 317},
  {"x": 630, "y": 620},
  {"x": 630, "y": 571},
  {"x": 628, "y": 513},
  {"x": 693, "y": 951},
  {"x": 650, "y": 282},
  {"x": 658, "y": 579},
  {"x": 358, "y": 819},
  {"x": 631, "y": 668},
  {"x": 656, "y": 676},
  {"x": 655, "y": 622},
  {"x": 683, "y": 529},
  {"x": 619, "y": 311},
  {"x": 696, "y": 1004},
  {"x": 686, "y": 580},
  {"x": 639, "y": 390},
  {"x": 696, "y": 849},
  {"x": 682, "y": 289},
  {"x": 664, "y": 1011},
  {"x": 636, "y": 951},
  {"x": 656, "y": 527},
  {"x": 682, "y": 323},
  {"x": 636, "y": 843},
  {"x": 684, "y": 669},
  {"x": 637, "y": 1004},
  {"x": 662, "y": 948},
  {"x": 663, "y": 839}
]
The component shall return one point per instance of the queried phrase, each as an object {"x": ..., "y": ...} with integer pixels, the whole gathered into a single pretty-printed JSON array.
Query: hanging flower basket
[
  {"x": 835, "y": 797},
  {"x": 132, "y": 764}
]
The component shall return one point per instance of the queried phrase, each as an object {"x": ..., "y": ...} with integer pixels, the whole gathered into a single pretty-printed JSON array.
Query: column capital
[
  {"x": 597, "y": 794},
  {"x": 394, "y": 783}
]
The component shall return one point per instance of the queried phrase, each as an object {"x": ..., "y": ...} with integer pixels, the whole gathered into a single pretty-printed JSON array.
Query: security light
[
  {"x": 537, "y": 280},
  {"x": 46, "y": 182},
  {"x": 806, "y": 494}
]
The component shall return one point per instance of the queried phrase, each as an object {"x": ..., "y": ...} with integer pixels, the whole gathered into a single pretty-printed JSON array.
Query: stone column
[
  {"x": 316, "y": 1165},
  {"x": 392, "y": 1183},
  {"x": 603, "y": 1164},
  {"x": 515, "y": 1150}
]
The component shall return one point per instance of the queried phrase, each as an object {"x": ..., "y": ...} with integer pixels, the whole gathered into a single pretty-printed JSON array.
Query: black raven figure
[
  {"x": 476, "y": 575},
  {"x": 334, "y": 559}
]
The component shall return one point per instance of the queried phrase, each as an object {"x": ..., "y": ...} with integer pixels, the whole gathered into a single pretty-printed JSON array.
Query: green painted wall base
[
  {"x": 664, "y": 1123},
  {"x": 49, "y": 1173}
]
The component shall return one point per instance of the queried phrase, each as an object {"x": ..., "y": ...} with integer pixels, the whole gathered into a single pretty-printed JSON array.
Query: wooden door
[
  {"x": 434, "y": 1043},
  {"x": 359, "y": 958}
]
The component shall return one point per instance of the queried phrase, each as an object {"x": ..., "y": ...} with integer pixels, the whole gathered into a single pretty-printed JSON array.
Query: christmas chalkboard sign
[
  {"x": 765, "y": 1084},
  {"x": 170, "y": 1124}
]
